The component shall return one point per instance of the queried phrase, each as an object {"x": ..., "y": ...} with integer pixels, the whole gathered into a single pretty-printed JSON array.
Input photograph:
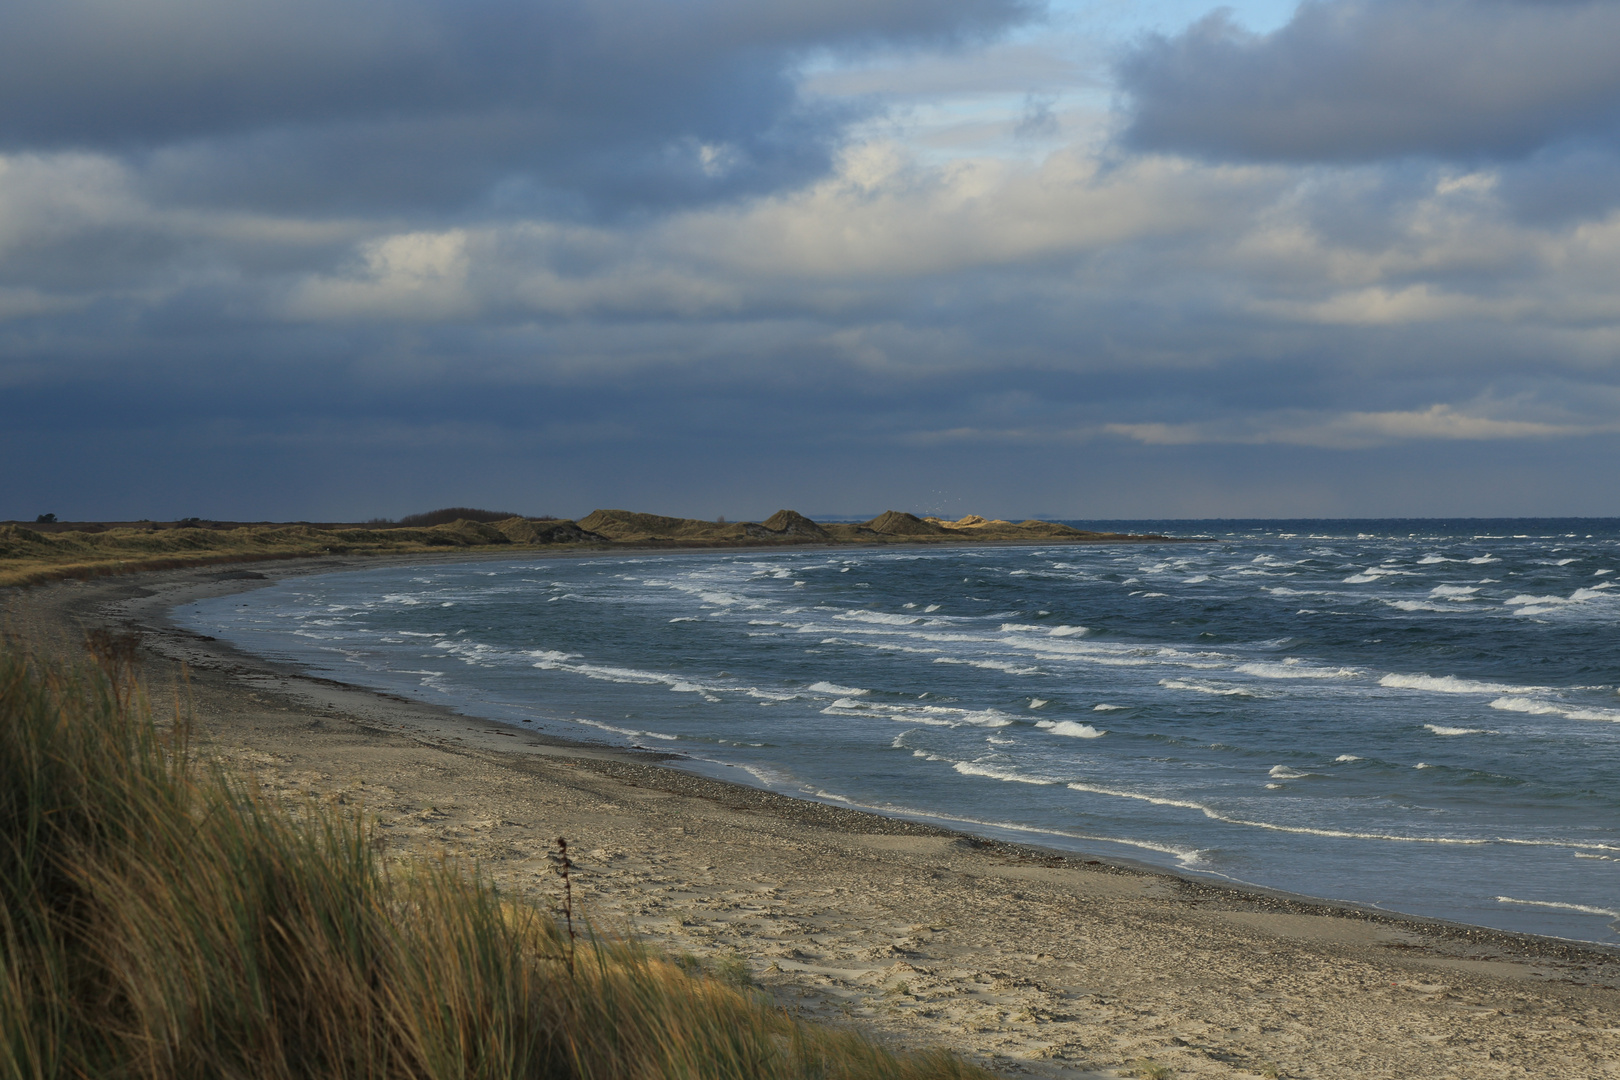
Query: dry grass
[
  {"x": 161, "y": 918},
  {"x": 27, "y": 556}
]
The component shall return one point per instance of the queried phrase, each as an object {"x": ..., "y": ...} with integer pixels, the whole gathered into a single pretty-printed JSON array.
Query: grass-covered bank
[
  {"x": 30, "y": 555},
  {"x": 52, "y": 550},
  {"x": 159, "y": 917}
]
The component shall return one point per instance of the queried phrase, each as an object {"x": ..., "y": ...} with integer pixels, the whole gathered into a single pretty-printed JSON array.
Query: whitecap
[
  {"x": 1347, "y": 757},
  {"x": 1450, "y": 684},
  {"x": 1292, "y": 668},
  {"x": 1536, "y": 707},
  {"x": 1283, "y": 772},
  {"x": 1541, "y": 602},
  {"x": 1584, "y": 909},
  {"x": 970, "y": 768},
  {"x": 989, "y": 665},
  {"x": 1067, "y": 631},
  {"x": 1108, "y": 708},
  {"x": 631, "y": 732},
  {"x": 1206, "y": 687},
  {"x": 882, "y": 618},
  {"x": 834, "y": 688},
  {"x": 1441, "y": 729},
  {"x": 1460, "y": 592},
  {"x": 930, "y": 715},
  {"x": 1215, "y": 815},
  {"x": 1036, "y": 703},
  {"x": 1070, "y": 728}
]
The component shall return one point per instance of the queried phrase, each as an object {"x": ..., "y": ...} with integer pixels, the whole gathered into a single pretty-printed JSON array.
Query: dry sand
[{"x": 1024, "y": 960}]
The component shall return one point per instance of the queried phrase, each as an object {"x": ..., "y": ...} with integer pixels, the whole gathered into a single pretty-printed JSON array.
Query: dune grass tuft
[{"x": 163, "y": 918}]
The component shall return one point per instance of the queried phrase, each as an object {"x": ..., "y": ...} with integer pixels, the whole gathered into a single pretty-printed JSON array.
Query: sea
[{"x": 1417, "y": 715}]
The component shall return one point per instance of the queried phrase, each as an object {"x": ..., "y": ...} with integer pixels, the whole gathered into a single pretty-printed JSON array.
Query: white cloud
[{"x": 1350, "y": 430}]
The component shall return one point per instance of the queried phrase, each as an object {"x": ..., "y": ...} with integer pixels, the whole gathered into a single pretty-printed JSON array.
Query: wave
[
  {"x": 1441, "y": 729},
  {"x": 931, "y": 715},
  {"x": 1296, "y": 669},
  {"x": 971, "y": 768},
  {"x": 881, "y": 618},
  {"x": 884, "y": 646},
  {"x": 989, "y": 665},
  {"x": 631, "y": 732},
  {"x": 1108, "y": 708},
  {"x": 1336, "y": 834},
  {"x": 836, "y": 690},
  {"x": 1283, "y": 772},
  {"x": 1584, "y": 909},
  {"x": 1206, "y": 688},
  {"x": 1451, "y": 684},
  {"x": 1535, "y": 707},
  {"x": 1070, "y": 728}
]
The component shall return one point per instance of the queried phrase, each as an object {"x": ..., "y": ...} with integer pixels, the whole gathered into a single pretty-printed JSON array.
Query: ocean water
[{"x": 1417, "y": 715}]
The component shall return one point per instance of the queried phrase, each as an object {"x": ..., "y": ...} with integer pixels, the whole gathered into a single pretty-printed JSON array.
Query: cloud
[
  {"x": 1350, "y": 430},
  {"x": 406, "y": 103},
  {"x": 1363, "y": 80},
  {"x": 426, "y": 292}
]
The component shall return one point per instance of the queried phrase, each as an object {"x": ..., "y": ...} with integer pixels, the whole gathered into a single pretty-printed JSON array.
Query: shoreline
[
  {"x": 713, "y": 771},
  {"x": 339, "y": 728}
]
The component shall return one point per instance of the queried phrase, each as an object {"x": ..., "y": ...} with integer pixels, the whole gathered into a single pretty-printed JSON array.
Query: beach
[{"x": 1024, "y": 960}]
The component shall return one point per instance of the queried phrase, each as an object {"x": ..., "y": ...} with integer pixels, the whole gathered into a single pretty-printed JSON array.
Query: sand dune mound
[
  {"x": 793, "y": 523},
  {"x": 557, "y": 531},
  {"x": 897, "y": 523},
  {"x": 623, "y": 525},
  {"x": 464, "y": 532}
]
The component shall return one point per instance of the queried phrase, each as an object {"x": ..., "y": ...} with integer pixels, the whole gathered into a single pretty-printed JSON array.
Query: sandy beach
[{"x": 1024, "y": 960}]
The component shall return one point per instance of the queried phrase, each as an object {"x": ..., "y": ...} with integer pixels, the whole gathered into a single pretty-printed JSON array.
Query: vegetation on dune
[
  {"x": 162, "y": 918},
  {"x": 29, "y": 555},
  {"x": 451, "y": 514}
]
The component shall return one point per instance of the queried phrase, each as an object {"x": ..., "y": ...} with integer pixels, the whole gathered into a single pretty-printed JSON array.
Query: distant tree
[{"x": 45, "y": 519}]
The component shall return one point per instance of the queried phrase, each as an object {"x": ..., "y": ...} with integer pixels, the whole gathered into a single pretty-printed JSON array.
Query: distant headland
[{"x": 48, "y": 549}]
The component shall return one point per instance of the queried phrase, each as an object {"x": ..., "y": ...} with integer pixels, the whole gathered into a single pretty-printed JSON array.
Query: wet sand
[{"x": 1025, "y": 960}]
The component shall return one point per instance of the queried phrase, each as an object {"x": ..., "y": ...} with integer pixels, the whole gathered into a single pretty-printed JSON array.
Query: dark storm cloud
[
  {"x": 298, "y": 102},
  {"x": 1360, "y": 80}
]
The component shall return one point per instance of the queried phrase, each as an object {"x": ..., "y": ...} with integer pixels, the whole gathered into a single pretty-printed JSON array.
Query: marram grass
[
  {"x": 162, "y": 918},
  {"x": 28, "y": 556}
]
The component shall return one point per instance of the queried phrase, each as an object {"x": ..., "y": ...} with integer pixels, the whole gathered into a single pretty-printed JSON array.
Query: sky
[{"x": 1085, "y": 259}]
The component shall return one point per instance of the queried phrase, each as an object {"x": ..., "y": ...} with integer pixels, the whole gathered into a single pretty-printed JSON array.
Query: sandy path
[{"x": 1023, "y": 960}]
